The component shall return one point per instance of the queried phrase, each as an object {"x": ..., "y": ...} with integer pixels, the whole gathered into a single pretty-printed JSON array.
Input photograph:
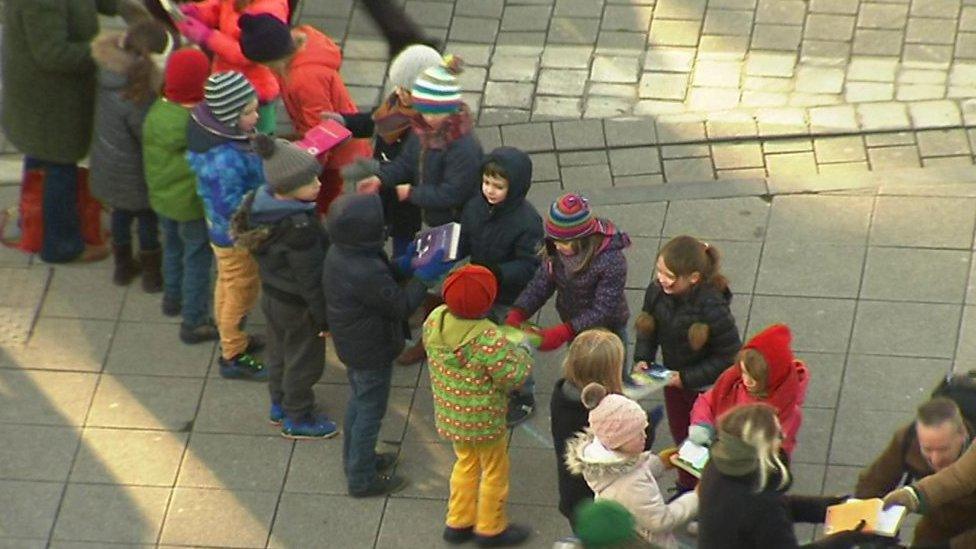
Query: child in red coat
[
  {"x": 764, "y": 371},
  {"x": 306, "y": 64}
]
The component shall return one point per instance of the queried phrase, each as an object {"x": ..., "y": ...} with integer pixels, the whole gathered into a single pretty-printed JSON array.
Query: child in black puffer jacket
[
  {"x": 686, "y": 313},
  {"x": 278, "y": 223}
]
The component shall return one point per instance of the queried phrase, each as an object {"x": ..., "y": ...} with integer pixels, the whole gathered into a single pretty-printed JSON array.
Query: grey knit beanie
[
  {"x": 227, "y": 93},
  {"x": 286, "y": 167},
  {"x": 409, "y": 64}
]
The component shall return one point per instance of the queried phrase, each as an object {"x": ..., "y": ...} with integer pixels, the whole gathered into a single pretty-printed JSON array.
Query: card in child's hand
[{"x": 324, "y": 137}]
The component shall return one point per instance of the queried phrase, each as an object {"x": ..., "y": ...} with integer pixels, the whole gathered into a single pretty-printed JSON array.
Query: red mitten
[
  {"x": 555, "y": 337},
  {"x": 515, "y": 318}
]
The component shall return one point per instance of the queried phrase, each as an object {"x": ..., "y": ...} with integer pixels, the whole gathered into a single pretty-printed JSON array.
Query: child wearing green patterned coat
[{"x": 473, "y": 366}]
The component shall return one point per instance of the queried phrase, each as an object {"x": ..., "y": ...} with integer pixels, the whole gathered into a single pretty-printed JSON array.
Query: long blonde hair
[
  {"x": 756, "y": 425},
  {"x": 595, "y": 356}
]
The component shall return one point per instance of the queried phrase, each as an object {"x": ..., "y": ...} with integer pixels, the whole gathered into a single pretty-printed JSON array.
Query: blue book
[{"x": 442, "y": 237}]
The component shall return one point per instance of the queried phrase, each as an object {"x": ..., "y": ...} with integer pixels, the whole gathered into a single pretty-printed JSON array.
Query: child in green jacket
[
  {"x": 473, "y": 366},
  {"x": 187, "y": 256}
]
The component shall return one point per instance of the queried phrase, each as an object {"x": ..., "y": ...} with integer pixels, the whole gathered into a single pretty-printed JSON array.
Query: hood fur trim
[
  {"x": 253, "y": 238},
  {"x": 577, "y": 463}
]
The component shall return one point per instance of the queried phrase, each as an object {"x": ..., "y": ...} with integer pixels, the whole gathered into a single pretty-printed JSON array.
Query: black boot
[
  {"x": 126, "y": 268},
  {"x": 397, "y": 27},
  {"x": 152, "y": 276}
]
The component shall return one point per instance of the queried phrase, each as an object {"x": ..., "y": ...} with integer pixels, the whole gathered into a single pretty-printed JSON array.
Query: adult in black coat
[
  {"x": 742, "y": 501},
  {"x": 504, "y": 237}
]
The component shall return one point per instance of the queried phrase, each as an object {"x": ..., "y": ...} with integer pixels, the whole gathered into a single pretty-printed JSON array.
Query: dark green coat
[{"x": 49, "y": 75}]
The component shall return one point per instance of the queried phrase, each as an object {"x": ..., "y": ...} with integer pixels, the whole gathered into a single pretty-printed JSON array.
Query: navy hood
[
  {"x": 518, "y": 166},
  {"x": 268, "y": 209},
  {"x": 205, "y": 132},
  {"x": 356, "y": 222}
]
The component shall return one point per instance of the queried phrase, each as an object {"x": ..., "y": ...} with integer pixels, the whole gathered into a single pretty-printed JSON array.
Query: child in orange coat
[
  {"x": 306, "y": 63},
  {"x": 214, "y": 24},
  {"x": 764, "y": 371}
]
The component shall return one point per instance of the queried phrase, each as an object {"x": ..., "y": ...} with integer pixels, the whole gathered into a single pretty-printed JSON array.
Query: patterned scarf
[
  {"x": 392, "y": 119},
  {"x": 453, "y": 128}
]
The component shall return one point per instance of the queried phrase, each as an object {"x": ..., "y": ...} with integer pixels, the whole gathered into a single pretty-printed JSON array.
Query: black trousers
[{"x": 295, "y": 355}]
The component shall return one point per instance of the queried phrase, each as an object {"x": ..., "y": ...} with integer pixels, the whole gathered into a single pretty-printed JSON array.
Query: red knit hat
[
  {"x": 187, "y": 70},
  {"x": 470, "y": 291},
  {"x": 773, "y": 344}
]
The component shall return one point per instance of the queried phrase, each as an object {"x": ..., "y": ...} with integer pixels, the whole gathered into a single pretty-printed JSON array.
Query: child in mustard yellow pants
[{"x": 473, "y": 367}]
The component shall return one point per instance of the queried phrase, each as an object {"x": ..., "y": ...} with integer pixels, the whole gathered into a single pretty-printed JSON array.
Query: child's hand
[
  {"x": 516, "y": 317},
  {"x": 665, "y": 456},
  {"x": 194, "y": 30},
  {"x": 403, "y": 191},
  {"x": 642, "y": 365},
  {"x": 555, "y": 337},
  {"x": 675, "y": 381},
  {"x": 370, "y": 185}
]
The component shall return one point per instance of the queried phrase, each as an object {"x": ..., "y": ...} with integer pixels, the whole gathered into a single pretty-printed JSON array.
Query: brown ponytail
[
  {"x": 143, "y": 39},
  {"x": 685, "y": 255}
]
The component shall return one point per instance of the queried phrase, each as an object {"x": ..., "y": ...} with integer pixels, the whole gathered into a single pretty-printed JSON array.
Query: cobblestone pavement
[{"x": 823, "y": 146}]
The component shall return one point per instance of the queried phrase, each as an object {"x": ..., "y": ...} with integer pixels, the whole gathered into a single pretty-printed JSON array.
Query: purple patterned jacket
[{"x": 590, "y": 299}]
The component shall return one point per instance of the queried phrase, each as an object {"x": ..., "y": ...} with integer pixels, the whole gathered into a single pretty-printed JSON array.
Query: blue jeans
[
  {"x": 361, "y": 428},
  {"x": 147, "y": 228},
  {"x": 62, "y": 224},
  {"x": 187, "y": 261}
]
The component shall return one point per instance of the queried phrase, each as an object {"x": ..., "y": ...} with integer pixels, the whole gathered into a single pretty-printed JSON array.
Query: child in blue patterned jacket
[{"x": 227, "y": 168}]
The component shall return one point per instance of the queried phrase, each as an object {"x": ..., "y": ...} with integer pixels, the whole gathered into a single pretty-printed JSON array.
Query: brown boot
[
  {"x": 412, "y": 355},
  {"x": 152, "y": 276},
  {"x": 126, "y": 267}
]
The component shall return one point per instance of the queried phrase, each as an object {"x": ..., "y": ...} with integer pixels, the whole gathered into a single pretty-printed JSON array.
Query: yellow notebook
[{"x": 877, "y": 520}]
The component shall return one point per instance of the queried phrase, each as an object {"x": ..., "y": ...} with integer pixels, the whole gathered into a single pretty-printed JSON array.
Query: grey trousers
[{"x": 295, "y": 355}]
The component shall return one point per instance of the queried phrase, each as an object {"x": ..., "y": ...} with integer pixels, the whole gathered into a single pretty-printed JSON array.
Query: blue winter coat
[{"x": 226, "y": 168}]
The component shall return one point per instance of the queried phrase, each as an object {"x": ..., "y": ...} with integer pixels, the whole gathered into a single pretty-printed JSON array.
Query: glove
[
  {"x": 665, "y": 456},
  {"x": 555, "y": 337},
  {"x": 701, "y": 434},
  {"x": 904, "y": 496},
  {"x": 403, "y": 263},
  {"x": 194, "y": 31},
  {"x": 435, "y": 269},
  {"x": 516, "y": 317},
  {"x": 190, "y": 10}
]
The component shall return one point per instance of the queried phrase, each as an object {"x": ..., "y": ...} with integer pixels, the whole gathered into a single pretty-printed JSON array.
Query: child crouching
[
  {"x": 278, "y": 224},
  {"x": 472, "y": 369},
  {"x": 610, "y": 455}
]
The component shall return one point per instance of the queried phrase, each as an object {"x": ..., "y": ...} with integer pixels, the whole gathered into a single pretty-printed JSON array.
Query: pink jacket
[
  {"x": 729, "y": 392},
  {"x": 221, "y": 16}
]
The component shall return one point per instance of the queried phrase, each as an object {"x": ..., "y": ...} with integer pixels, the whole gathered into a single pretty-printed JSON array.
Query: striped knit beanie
[
  {"x": 227, "y": 93},
  {"x": 436, "y": 90},
  {"x": 569, "y": 217}
]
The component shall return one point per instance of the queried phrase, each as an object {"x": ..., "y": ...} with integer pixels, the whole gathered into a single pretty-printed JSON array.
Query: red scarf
[{"x": 453, "y": 128}]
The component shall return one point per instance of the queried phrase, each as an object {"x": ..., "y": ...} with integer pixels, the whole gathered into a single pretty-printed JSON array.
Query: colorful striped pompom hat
[
  {"x": 570, "y": 217},
  {"x": 436, "y": 90}
]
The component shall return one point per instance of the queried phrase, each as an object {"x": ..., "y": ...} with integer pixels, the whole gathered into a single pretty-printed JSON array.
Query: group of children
[{"x": 196, "y": 161}]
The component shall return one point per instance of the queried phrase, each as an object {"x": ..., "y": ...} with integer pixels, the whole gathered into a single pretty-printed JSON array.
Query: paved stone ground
[
  {"x": 114, "y": 432},
  {"x": 839, "y": 130}
]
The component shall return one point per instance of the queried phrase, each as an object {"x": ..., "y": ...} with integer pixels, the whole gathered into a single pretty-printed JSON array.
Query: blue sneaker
[
  {"x": 243, "y": 366},
  {"x": 277, "y": 414},
  {"x": 310, "y": 426}
]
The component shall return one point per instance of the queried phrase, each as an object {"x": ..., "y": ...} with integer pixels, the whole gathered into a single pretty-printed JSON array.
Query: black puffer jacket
[
  {"x": 673, "y": 317},
  {"x": 366, "y": 306},
  {"x": 289, "y": 244},
  {"x": 403, "y": 218},
  {"x": 505, "y": 238}
]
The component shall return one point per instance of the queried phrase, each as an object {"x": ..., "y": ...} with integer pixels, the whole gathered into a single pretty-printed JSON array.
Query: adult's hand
[{"x": 370, "y": 185}]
